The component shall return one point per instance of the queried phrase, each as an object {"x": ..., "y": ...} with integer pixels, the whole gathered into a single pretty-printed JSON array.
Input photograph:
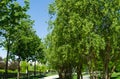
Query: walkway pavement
[
  {"x": 51, "y": 77},
  {"x": 56, "y": 76},
  {"x": 86, "y": 77}
]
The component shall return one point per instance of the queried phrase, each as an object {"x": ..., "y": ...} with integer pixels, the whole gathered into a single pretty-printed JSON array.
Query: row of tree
[
  {"x": 17, "y": 34},
  {"x": 84, "y": 34},
  {"x": 12, "y": 66}
]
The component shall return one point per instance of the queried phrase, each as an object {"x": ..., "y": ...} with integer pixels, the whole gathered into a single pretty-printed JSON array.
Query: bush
[
  {"x": 13, "y": 65},
  {"x": 2, "y": 64},
  {"x": 42, "y": 68},
  {"x": 23, "y": 66}
]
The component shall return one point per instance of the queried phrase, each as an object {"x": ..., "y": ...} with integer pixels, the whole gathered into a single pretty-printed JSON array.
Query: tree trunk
[
  {"x": 60, "y": 74},
  {"x": 106, "y": 61},
  {"x": 65, "y": 72},
  {"x": 81, "y": 76},
  {"x": 68, "y": 72},
  {"x": 27, "y": 71},
  {"x": 106, "y": 72},
  {"x": 78, "y": 75},
  {"x": 91, "y": 72},
  {"x": 96, "y": 75},
  {"x": 35, "y": 69},
  {"x": 113, "y": 68},
  {"x": 6, "y": 67},
  {"x": 18, "y": 75},
  {"x": 79, "y": 72}
]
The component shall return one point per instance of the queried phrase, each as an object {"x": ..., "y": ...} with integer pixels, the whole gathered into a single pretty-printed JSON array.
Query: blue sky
[{"x": 39, "y": 13}]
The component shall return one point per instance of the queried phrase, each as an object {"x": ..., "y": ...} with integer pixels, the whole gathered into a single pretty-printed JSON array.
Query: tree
[
  {"x": 22, "y": 38},
  {"x": 89, "y": 29},
  {"x": 106, "y": 22},
  {"x": 60, "y": 43},
  {"x": 27, "y": 45},
  {"x": 13, "y": 13},
  {"x": 37, "y": 48}
]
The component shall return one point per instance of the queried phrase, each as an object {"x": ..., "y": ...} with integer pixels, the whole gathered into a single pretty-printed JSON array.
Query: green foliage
[
  {"x": 42, "y": 68},
  {"x": 84, "y": 32},
  {"x": 18, "y": 36},
  {"x": 39, "y": 67},
  {"x": 9, "y": 71},
  {"x": 23, "y": 65},
  {"x": 23, "y": 38}
]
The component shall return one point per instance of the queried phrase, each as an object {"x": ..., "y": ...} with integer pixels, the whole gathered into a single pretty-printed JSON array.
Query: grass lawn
[
  {"x": 51, "y": 73},
  {"x": 116, "y": 75},
  {"x": 75, "y": 77}
]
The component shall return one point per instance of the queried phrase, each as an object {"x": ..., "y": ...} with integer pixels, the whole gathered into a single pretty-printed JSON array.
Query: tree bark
[
  {"x": 18, "y": 75},
  {"x": 91, "y": 72},
  {"x": 68, "y": 72},
  {"x": 106, "y": 62},
  {"x": 78, "y": 75},
  {"x": 106, "y": 72},
  {"x": 113, "y": 68},
  {"x": 6, "y": 67},
  {"x": 27, "y": 71},
  {"x": 65, "y": 72},
  {"x": 35, "y": 68},
  {"x": 60, "y": 73},
  {"x": 79, "y": 72}
]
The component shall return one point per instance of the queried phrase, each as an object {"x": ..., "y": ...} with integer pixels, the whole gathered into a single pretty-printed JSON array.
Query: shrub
[
  {"x": 13, "y": 65},
  {"x": 2, "y": 64}
]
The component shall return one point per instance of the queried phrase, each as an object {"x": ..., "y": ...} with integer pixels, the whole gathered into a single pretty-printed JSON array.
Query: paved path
[
  {"x": 50, "y": 77},
  {"x": 86, "y": 77},
  {"x": 56, "y": 76}
]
